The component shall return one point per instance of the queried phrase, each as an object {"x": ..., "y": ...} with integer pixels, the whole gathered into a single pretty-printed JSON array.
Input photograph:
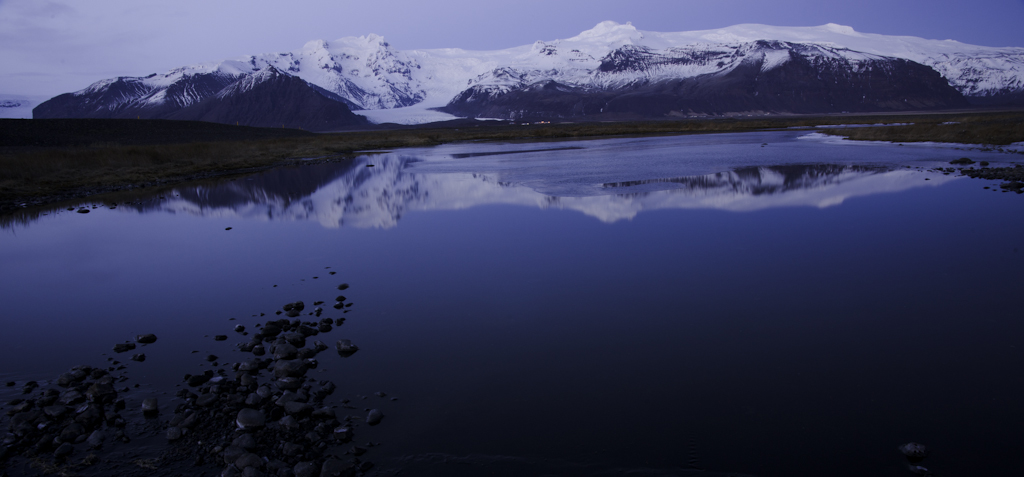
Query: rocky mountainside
[
  {"x": 612, "y": 68},
  {"x": 264, "y": 98}
]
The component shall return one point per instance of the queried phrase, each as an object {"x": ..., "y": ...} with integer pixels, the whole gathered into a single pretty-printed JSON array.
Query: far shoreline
[{"x": 44, "y": 162}]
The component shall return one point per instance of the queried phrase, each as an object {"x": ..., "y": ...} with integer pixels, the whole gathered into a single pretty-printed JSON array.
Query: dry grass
[{"x": 992, "y": 129}]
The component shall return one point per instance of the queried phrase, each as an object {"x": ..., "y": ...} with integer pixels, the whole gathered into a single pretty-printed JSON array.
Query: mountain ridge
[{"x": 367, "y": 73}]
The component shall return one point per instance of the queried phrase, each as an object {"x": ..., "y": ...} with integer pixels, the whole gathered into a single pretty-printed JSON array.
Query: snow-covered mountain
[{"x": 367, "y": 73}]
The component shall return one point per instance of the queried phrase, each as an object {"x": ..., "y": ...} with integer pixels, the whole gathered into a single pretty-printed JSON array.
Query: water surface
[{"x": 769, "y": 304}]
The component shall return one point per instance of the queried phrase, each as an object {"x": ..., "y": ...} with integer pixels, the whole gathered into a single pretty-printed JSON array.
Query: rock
[
  {"x": 343, "y": 286},
  {"x": 249, "y": 365},
  {"x": 346, "y": 348},
  {"x": 63, "y": 451},
  {"x": 298, "y": 409},
  {"x": 374, "y": 416},
  {"x": 71, "y": 432},
  {"x": 340, "y": 298},
  {"x": 245, "y": 441},
  {"x": 259, "y": 350},
  {"x": 324, "y": 413},
  {"x": 290, "y": 367},
  {"x": 220, "y": 338},
  {"x": 122, "y": 347},
  {"x": 918, "y": 470},
  {"x": 150, "y": 407},
  {"x": 305, "y": 469},
  {"x": 206, "y": 400},
  {"x": 249, "y": 460},
  {"x": 55, "y": 411},
  {"x": 337, "y": 468},
  {"x": 250, "y": 419},
  {"x": 173, "y": 433},
  {"x": 71, "y": 396},
  {"x": 289, "y": 423},
  {"x": 343, "y": 433},
  {"x": 319, "y": 346},
  {"x": 239, "y": 328},
  {"x": 189, "y": 421},
  {"x": 101, "y": 392},
  {"x": 96, "y": 439},
  {"x": 211, "y": 358},
  {"x": 915, "y": 452},
  {"x": 146, "y": 338},
  {"x": 297, "y": 340},
  {"x": 285, "y": 351},
  {"x": 232, "y": 453},
  {"x": 140, "y": 357},
  {"x": 264, "y": 391},
  {"x": 286, "y": 384}
]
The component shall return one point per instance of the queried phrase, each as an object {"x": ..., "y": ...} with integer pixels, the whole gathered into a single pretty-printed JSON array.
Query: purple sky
[{"x": 51, "y": 47}]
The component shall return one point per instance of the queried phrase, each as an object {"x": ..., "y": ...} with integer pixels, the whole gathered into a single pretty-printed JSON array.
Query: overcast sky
[{"x": 52, "y": 47}]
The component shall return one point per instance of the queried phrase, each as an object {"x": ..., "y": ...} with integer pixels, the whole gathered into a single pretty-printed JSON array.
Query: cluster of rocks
[
  {"x": 264, "y": 415},
  {"x": 1013, "y": 177},
  {"x": 83, "y": 411},
  {"x": 260, "y": 416}
]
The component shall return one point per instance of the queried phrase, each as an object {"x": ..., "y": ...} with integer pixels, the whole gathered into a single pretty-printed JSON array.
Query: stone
[
  {"x": 71, "y": 432},
  {"x": 374, "y": 416},
  {"x": 250, "y": 419},
  {"x": 297, "y": 340},
  {"x": 289, "y": 384},
  {"x": 146, "y": 338},
  {"x": 239, "y": 328},
  {"x": 290, "y": 367},
  {"x": 289, "y": 423},
  {"x": 63, "y": 451},
  {"x": 149, "y": 406},
  {"x": 285, "y": 351},
  {"x": 96, "y": 439},
  {"x": 298, "y": 409},
  {"x": 915, "y": 452},
  {"x": 337, "y": 468},
  {"x": 140, "y": 357},
  {"x": 245, "y": 441},
  {"x": 305, "y": 469},
  {"x": 259, "y": 350},
  {"x": 249, "y": 460},
  {"x": 346, "y": 348},
  {"x": 343, "y": 433},
  {"x": 232, "y": 453},
  {"x": 206, "y": 400},
  {"x": 220, "y": 338},
  {"x": 70, "y": 397},
  {"x": 343, "y": 286},
  {"x": 173, "y": 433}
]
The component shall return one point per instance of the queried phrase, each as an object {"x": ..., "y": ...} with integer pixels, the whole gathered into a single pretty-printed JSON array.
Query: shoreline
[{"x": 43, "y": 162}]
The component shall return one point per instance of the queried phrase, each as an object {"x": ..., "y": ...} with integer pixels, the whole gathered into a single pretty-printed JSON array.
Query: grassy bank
[
  {"x": 995, "y": 129},
  {"x": 44, "y": 161}
]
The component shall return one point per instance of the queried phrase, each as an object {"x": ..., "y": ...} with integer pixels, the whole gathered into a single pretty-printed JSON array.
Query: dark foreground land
[{"x": 44, "y": 161}]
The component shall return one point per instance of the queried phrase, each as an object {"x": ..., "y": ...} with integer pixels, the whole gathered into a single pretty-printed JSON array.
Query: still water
[{"x": 767, "y": 304}]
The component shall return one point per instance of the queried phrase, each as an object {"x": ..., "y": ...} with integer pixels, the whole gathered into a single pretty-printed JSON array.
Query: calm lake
[{"x": 769, "y": 304}]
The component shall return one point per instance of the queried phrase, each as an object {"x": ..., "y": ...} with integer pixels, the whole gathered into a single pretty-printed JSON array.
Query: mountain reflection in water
[{"x": 352, "y": 194}]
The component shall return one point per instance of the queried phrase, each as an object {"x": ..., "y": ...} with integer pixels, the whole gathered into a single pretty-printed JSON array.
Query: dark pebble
[
  {"x": 146, "y": 338},
  {"x": 220, "y": 338}
]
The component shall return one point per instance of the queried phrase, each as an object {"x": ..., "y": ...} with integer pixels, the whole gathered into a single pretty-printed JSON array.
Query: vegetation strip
[{"x": 48, "y": 161}]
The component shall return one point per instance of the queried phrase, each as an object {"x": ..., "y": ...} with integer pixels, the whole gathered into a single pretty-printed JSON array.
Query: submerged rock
[
  {"x": 146, "y": 338},
  {"x": 150, "y": 407},
  {"x": 346, "y": 348},
  {"x": 250, "y": 419},
  {"x": 374, "y": 416}
]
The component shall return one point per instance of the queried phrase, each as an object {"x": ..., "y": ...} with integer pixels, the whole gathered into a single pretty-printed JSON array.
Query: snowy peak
[{"x": 365, "y": 72}]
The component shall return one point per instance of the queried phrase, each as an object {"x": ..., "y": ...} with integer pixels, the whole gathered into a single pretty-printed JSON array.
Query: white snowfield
[{"x": 369, "y": 73}]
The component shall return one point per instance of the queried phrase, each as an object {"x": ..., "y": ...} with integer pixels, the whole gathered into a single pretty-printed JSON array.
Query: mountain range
[{"x": 612, "y": 71}]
